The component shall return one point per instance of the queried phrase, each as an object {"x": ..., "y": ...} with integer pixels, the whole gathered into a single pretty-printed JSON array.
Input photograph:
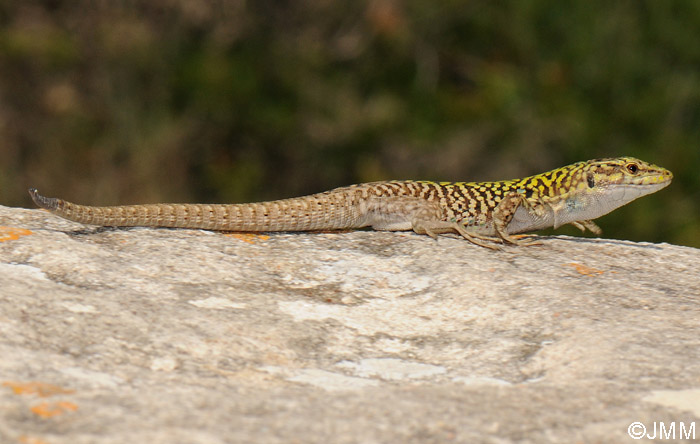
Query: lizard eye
[{"x": 632, "y": 168}]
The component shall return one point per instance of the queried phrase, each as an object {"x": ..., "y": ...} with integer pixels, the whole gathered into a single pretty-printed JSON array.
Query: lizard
[{"x": 484, "y": 213}]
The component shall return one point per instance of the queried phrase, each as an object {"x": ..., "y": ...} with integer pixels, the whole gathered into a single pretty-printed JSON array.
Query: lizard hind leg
[
  {"x": 427, "y": 220},
  {"x": 405, "y": 213},
  {"x": 434, "y": 227}
]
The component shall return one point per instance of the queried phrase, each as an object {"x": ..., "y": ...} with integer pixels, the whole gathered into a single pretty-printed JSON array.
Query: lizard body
[{"x": 478, "y": 211}]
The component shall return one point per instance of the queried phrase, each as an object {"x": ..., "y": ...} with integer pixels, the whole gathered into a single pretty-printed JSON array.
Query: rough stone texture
[{"x": 188, "y": 336}]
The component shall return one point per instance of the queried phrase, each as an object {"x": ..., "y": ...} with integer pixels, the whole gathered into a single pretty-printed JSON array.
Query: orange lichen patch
[
  {"x": 584, "y": 270},
  {"x": 248, "y": 237},
  {"x": 12, "y": 233},
  {"x": 24, "y": 439},
  {"x": 36, "y": 388},
  {"x": 50, "y": 409}
]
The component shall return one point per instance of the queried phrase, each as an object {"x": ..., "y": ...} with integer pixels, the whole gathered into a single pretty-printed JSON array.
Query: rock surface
[{"x": 187, "y": 336}]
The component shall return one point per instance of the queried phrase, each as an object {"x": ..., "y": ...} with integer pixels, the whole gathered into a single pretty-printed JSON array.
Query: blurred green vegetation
[{"x": 229, "y": 101}]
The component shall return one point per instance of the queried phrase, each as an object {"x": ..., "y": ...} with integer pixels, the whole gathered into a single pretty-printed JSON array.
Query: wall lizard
[{"x": 484, "y": 213}]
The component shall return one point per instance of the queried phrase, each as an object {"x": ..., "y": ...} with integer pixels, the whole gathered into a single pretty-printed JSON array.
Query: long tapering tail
[{"x": 336, "y": 209}]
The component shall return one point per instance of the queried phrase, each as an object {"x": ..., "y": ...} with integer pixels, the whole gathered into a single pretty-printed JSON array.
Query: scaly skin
[{"x": 478, "y": 211}]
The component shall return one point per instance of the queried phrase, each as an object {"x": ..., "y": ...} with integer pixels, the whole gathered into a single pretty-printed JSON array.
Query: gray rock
[{"x": 187, "y": 336}]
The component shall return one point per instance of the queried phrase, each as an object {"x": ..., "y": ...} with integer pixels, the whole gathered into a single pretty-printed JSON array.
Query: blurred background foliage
[{"x": 108, "y": 102}]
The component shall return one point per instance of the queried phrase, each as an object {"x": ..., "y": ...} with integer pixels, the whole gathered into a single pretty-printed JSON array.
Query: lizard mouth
[
  {"x": 657, "y": 181},
  {"x": 631, "y": 191}
]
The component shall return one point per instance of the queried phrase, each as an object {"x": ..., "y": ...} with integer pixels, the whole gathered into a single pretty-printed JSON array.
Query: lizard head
[
  {"x": 626, "y": 173},
  {"x": 594, "y": 188}
]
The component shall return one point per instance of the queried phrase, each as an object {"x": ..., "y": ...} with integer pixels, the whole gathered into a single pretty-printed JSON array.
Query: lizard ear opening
[{"x": 590, "y": 179}]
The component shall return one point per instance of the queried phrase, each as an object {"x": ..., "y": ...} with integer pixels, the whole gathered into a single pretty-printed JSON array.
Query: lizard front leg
[
  {"x": 587, "y": 224},
  {"x": 504, "y": 212}
]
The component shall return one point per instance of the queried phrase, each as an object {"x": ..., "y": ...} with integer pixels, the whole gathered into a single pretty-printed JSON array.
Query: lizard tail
[
  {"x": 308, "y": 213},
  {"x": 44, "y": 202}
]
